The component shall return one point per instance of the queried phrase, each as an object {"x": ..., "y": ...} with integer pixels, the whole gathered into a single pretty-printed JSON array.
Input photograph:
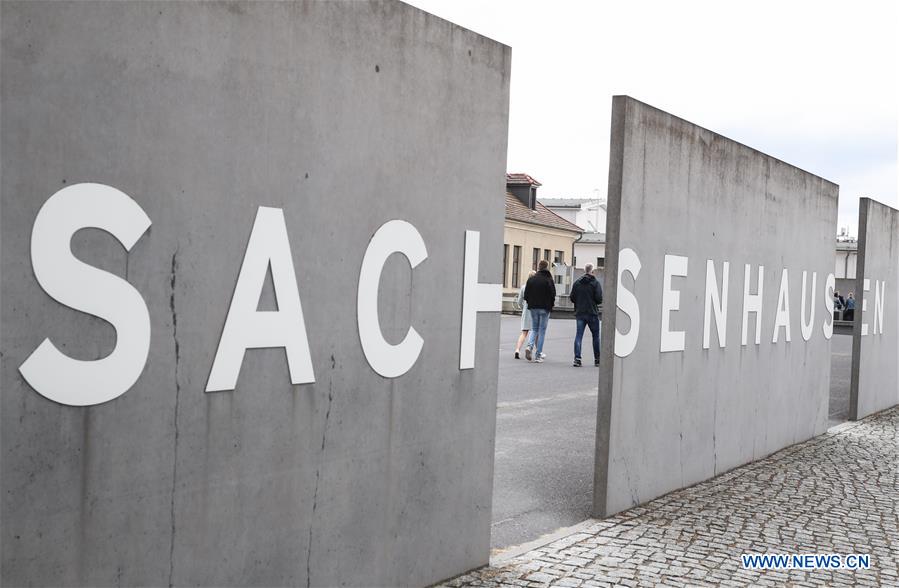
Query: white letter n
[{"x": 716, "y": 303}]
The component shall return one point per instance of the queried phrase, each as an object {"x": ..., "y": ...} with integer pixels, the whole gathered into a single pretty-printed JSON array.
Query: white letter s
[
  {"x": 628, "y": 261},
  {"x": 78, "y": 285}
]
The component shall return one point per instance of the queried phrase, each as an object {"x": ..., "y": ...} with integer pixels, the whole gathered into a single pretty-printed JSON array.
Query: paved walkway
[
  {"x": 837, "y": 493},
  {"x": 545, "y": 441}
]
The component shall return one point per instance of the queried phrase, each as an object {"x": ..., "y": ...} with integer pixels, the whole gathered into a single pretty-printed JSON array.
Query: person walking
[
  {"x": 586, "y": 293},
  {"x": 849, "y": 313},
  {"x": 540, "y": 294},
  {"x": 525, "y": 320}
]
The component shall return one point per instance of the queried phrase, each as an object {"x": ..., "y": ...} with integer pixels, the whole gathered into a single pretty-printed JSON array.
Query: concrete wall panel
[
  {"x": 875, "y": 354},
  {"x": 343, "y": 114},
  {"x": 670, "y": 419}
]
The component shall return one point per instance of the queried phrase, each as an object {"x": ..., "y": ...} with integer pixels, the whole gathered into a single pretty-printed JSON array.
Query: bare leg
[{"x": 521, "y": 339}]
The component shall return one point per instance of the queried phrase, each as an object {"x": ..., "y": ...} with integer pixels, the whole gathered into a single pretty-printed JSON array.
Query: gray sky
[{"x": 815, "y": 83}]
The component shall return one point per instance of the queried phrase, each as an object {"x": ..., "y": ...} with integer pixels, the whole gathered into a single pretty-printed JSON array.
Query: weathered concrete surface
[
  {"x": 875, "y": 355},
  {"x": 669, "y": 420},
  {"x": 346, "y": 115}
]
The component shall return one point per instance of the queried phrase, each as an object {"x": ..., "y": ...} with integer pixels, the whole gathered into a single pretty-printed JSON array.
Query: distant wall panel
[{"x": 875, "y": 350}]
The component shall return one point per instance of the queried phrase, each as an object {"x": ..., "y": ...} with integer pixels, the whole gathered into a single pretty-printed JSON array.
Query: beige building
[{"x": 532, "y": 232}]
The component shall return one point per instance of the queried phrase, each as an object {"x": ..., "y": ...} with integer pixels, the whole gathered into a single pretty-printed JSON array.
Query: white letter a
[{"x": 248, "y": 328}]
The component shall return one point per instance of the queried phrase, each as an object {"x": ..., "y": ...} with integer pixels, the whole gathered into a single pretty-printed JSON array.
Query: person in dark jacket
[
  {"x": 540, "y": 294},
  {"x": 586, "y": 293},
  {"x": 849, "y": 313}
]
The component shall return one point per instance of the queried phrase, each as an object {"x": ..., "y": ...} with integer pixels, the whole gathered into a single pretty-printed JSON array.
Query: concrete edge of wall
[
  {"x": 607, "y": 352},
  {"x": 863, "y": 205}
]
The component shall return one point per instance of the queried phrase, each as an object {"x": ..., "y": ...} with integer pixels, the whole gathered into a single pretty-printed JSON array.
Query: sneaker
[
  {"x": 596, "y": 362},
  {"x": 538, "y": 360},
  {"x": 516, "y": 355},
  {"x": 527, "y": 353},
  {"x": 577, "y": 363},
  {"x": 542, "y": 356}
]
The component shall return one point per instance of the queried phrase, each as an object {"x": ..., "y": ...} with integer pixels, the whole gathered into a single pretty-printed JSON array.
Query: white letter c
[{"x": 390, "y": 361}]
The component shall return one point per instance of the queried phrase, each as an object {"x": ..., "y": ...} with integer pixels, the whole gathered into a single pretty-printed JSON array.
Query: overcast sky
[{"x": 815, "y": 83}]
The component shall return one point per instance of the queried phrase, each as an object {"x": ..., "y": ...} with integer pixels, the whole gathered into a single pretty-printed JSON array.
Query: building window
[
  {"x": 600, "y": 262},
  {"x": 546, "y": 253},
  {"x": 505, "y": 265},
  {"x": 559, "y": 257},
  {"x": 516, "y": 265},
  {"x": 536, "y": 258}
]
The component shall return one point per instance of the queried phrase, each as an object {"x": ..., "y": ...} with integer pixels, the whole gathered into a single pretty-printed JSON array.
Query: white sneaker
[
  {"x": 538, "y": 360},
  {"x": 542, "y": 356},
  {"x": 527, "y": 353}
]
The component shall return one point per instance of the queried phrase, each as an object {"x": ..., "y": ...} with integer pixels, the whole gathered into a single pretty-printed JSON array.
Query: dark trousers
[{"x": 583, "y": 322}]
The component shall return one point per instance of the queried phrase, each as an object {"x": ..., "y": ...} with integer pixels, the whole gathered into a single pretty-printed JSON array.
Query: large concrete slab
[
  {"x": 875, "y": 349},
  {"x": 672, "y": 410},
  {"x": 343, "y": 114}
]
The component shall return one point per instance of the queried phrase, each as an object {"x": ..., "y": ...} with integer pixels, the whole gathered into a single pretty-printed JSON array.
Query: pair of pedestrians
[{"x": 537, "y": 299}]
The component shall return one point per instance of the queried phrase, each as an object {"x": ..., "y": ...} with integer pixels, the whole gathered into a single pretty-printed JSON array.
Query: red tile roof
[
  {"x": 517, "y": 211},
  {"x": 521, "y": 180}
]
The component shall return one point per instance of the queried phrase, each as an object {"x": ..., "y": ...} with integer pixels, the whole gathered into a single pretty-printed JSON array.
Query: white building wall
[
  {"x": 845, "y": 264},
  {"x": 569, "y": 214},
  {"x": 591, "y": 217},
  {"x": 585, "y": 253}
]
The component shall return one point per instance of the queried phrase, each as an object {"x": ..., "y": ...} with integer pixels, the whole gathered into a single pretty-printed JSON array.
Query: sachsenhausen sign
[
  {"x": 717, "y": 282},
  {"x": 80, "y": 286}
]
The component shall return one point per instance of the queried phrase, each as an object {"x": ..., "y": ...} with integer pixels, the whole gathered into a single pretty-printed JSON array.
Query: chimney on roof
[{"x": 523, "y": 187}]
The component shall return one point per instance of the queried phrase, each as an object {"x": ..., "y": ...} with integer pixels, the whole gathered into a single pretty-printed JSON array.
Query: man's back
[
  {"x": 540, "y": 291},
  {"x": 586, "y": 293}
]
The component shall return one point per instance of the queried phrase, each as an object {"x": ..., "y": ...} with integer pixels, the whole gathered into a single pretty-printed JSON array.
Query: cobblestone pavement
[{"x": 837, "y": 493}]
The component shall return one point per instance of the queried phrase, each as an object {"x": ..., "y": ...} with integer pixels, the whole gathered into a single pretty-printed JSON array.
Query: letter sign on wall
[
  {"x": 476, "y": 298},
  {"x": 715, "y": 302},
  {"x": 248, "y": 328},
  {"x": 628, "y": 261},
  {"x": 807, "y": 327},
  {"x": 391, "y": 361},
  {"x": 78, "y": 285},
  {"x": 675, "y": 265},
  {"x": 83, "y": 287}
]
